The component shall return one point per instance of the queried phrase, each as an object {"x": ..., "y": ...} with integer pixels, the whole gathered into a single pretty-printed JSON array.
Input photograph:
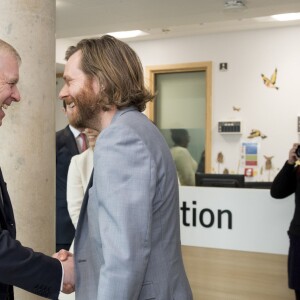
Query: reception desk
[{"x": 235, "y": 243}]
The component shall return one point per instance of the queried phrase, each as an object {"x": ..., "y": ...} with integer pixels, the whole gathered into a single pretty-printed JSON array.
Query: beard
[{"x": 88, "y": 109}]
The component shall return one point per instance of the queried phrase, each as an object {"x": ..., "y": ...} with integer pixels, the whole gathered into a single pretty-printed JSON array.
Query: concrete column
[{"x": 27, "y": 135}]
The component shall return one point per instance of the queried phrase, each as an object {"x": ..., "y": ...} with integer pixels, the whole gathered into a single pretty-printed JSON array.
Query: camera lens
[{"x": 298, "y": 152}]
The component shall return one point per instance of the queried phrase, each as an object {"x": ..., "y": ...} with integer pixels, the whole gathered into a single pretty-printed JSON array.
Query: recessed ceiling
[{"x": 76, "y": 19}]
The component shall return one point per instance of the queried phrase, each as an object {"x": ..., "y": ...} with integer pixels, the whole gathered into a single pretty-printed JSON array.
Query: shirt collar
[{"x": 75, "y": 131}]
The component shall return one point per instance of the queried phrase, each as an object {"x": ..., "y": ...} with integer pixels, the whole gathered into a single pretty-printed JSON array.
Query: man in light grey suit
[{"x": 127, "y": 243}]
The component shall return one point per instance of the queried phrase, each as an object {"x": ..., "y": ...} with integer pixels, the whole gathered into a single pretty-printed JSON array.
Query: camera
[{"x": 297, "y": 152}]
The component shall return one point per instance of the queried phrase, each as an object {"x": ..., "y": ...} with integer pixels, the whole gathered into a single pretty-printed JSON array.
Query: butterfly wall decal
[
  {"x": 236, "y": 108},
  {"x": 270, "y": 82},
  {"x": 256, "y": 133}
]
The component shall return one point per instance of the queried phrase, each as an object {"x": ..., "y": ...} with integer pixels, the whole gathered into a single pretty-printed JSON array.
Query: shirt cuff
[{"x": 62, "y": 277}]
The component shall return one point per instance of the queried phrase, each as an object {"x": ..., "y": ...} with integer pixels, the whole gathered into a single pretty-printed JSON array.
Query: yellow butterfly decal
[
  {"x": 256, "y": 133},
  {"x": 272, "y": 81}
]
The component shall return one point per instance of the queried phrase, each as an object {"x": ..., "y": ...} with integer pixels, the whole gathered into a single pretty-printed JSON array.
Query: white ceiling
[{"x": 76, "y": 19}]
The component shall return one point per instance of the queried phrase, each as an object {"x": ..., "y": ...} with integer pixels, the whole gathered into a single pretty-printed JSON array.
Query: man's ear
[{"x": 97, "y": 86}]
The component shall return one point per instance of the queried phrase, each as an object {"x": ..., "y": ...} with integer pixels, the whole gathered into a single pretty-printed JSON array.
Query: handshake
[{"x": 67, "y": 260}]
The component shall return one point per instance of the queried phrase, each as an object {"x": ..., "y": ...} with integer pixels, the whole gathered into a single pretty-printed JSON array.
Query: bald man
[{"x": 21, "y": 266}]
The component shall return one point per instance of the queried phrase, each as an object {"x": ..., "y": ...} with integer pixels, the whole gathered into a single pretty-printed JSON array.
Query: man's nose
[
  {"x": 63, "y": 92},
  {"x": 16, "y": 94}
]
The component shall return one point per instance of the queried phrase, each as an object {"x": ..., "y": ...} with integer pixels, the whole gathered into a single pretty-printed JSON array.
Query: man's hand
[
  {"x": 292, "y": 154},
  {"x": 67, "y": 261}
]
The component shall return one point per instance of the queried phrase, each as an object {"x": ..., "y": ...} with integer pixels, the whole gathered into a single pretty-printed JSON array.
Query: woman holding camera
[{"x": 286, "y": 183}]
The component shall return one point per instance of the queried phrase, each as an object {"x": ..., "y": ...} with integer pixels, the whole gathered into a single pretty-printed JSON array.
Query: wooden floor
[{"x": 216, "y": 274}]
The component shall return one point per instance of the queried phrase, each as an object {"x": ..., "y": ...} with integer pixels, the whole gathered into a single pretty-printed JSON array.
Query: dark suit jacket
[
  {"x": 20, "y": 266},
  {"x": 66, "y": 147}
]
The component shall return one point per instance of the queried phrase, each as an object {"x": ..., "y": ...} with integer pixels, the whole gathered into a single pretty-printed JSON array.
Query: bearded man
[{"x": 127, "y": 242}]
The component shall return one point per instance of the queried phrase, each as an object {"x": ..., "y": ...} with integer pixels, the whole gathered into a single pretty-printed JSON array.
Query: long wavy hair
[{"x": 118, "y": 70}]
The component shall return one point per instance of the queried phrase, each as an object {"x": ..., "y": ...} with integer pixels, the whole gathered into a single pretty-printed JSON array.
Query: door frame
[{"x": 152, "y": 71}]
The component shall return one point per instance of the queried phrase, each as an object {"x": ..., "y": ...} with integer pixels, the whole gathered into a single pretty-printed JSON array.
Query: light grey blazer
[{"x": 127, "y": 244}]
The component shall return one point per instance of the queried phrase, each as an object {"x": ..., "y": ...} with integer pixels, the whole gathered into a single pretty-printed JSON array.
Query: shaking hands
[{"x": 67, "y": 260}]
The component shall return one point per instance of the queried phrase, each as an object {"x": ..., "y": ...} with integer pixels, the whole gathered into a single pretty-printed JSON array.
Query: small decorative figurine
[
  {"x": 226, "y": 171},
  {"x": 268, "y": 165},
  {"x": 220, "y": 160}
]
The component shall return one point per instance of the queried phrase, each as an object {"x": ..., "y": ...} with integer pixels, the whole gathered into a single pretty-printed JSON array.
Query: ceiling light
[
  {"x": 127, "y": 34},
  {"x": 287, "y": 17},
  {"x": 234, "y": 4}
]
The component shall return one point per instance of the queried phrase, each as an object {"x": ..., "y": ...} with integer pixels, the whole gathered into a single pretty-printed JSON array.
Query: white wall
[{"x": 248, "y": 54}]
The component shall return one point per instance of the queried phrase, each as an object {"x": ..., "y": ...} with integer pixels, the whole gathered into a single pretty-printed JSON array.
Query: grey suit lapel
[{"x": 84, "y": 205}]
